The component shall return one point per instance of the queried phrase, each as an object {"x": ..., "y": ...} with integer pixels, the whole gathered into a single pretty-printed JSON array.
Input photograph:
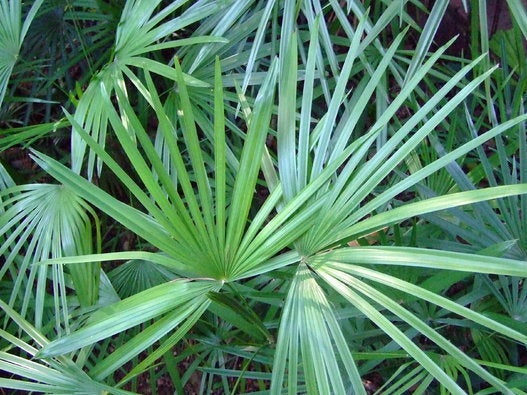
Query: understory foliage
[{"x": 240, "y": 196}]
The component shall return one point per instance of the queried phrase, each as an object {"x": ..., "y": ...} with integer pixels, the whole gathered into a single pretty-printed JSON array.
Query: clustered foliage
[{"x": 235, "y": 196}]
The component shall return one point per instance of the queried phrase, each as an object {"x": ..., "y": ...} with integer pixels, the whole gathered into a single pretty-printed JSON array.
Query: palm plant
[
  {"x": 496, "y": 228},
  {"x": 273, "y": 292},
  {"x": 42, "y": 78},
  {"x": 12, "y": 35}
]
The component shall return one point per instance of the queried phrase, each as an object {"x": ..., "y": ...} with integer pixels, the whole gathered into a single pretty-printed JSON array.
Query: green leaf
[
  {"x": 421, "y": 257},
  {"x": 346, "y": 285},
  {"x": 310, "y": 337},
  {"x": 48, "y": 221},
  {"x": 129, "y": 312},
  {"x": 517, "y": 10},
  {"x": 12, "y": 34},
  {"x": 409, "y": 210},
  {"x": 250, "y": 161},
  {"x": 182, "y": 317},
  {"x": 422, "y": 293}
]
